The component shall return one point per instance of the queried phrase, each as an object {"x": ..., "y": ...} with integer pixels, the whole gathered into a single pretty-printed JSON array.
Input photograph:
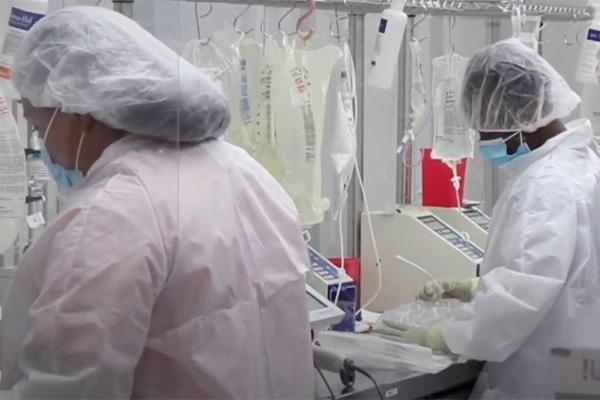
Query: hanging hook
[
  {"x": 198, "y": 18},
  {"x": 338, "y": 31},
  {"x": 451, "y": 25},
  {"x": 262, "y": 29},
  {"x": 576, "y": 37},
  {"x": 312, "y": 6},
  {"x": 237, "y": 18},
  {"x": 413, "y": 27},
  {"x": 336, "y": 19},
  {"x": 284, "y": 16},
  {"x": 505, "y": 9}
]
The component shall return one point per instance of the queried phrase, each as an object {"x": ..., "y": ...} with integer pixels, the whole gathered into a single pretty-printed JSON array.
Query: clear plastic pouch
[
  {"x": 452, "y": 140},
  {"x": 299, "y": 107},
  {"x": 375, "y": 352}
]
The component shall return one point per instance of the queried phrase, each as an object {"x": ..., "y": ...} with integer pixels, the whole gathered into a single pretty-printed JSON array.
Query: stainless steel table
[{"x": 401, "y": 384}]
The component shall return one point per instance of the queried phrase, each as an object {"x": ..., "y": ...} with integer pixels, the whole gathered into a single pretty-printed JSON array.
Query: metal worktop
[{"x": 402, "y": 385}]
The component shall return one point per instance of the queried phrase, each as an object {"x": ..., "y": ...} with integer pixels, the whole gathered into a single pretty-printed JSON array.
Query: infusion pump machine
[
  {"x": 470, "y": 221},
  {"x": 427, "y": 245},
  {"x": 322, "y": 312}
]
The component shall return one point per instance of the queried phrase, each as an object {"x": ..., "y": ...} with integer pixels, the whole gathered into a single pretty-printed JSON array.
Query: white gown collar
[{"x": 577, "y": 135}]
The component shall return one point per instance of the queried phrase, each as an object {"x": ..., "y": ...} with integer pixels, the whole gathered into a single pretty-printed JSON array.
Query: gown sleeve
[{"x": 89, "y": 319}]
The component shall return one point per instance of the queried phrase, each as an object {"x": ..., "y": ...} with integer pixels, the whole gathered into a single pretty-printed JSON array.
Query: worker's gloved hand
[
  {"x": 462, "y": 290},
  {"x": 428, "y": 337}
]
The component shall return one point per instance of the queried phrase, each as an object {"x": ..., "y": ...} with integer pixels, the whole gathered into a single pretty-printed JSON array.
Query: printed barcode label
[
  {"x": 244, "y": 95},
  {"x": 309, "y": 129}
]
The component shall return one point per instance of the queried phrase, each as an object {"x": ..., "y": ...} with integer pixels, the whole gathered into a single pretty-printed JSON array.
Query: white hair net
[
  {"x": 91, "y": 60},
  {"x": 508, "y": 87}
]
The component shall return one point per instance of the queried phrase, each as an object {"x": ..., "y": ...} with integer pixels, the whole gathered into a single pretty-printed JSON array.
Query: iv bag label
[
  {"x": 23, "y": 20},
  {"x": 301, "y": 97},
  {"x": 382, "y": 25},
  {"x": 594, "y": 35}
]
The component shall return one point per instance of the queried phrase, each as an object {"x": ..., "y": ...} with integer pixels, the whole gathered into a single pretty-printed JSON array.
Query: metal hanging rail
[
  {"x": 351, "y": 6},
  {"x": 498, "y": 9}
]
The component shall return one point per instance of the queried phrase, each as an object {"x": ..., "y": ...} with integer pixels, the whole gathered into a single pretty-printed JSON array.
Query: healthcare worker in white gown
[
  {"x": 540, "y": 277},
  {"x": 176, "y": 268}
]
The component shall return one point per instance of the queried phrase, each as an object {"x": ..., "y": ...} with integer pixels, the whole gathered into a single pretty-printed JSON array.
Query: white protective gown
[
  {"x": 149, "y": 286},
  {"x": 540, "y": 285}
]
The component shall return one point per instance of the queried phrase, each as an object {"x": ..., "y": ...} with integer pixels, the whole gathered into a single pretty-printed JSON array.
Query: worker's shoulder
[
  {"x": 166, "y": 175},
  {"x": 569, "y": 175}
]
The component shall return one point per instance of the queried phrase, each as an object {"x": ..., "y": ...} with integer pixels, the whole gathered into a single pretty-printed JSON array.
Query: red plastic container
[
  {"x": 352, "y": 267},
  {"x": 438, "y": 190}
]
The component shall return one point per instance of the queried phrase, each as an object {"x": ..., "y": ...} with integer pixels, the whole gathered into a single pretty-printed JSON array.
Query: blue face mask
[
  {"x": 64, "y": 178},
  {"x": 496, "y": 151}
]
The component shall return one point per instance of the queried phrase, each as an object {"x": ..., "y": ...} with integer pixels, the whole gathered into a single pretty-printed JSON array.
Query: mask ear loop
[
  {"x": 50, "y": 124},
  {"x": 521, "y": 138},
  {"x": 520, "y": 133},
  {"x": 79, "y": 151}
]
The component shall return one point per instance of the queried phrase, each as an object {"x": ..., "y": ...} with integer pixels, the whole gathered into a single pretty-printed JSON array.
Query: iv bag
[
  {"x": 262, "y": 138},
  {"x": 299, "y": 106},
  {"x": 207, "y": 56},
  {"x": 339, "y": 133},
  {"x": 226, "y": 43},
  {"x": 588, "y": 67},
  {"x": 529, "y": 30},
  {"x": 452, "y": 140},
  {"x": 13, "y": 179},
  {"x": 211, "y": 59},
  {"x": 418, "y": 96}
]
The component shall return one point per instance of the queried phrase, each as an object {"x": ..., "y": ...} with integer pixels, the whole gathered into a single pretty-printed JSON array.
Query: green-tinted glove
[{"x": 462, "y": 290}]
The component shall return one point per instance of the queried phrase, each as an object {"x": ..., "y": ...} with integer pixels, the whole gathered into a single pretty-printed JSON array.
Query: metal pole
[
  {"x": 490, "y": 172},
  {"x": 404, "y": 174},
  {"x": 355, "y": 198},
  {"x": 125, "y": 7}
]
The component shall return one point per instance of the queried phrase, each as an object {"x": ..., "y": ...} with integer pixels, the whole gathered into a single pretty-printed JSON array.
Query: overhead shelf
[
  {"x": 352, "y": 6},
  {"x": 475, "y": 8},
  {"x": 483, "y": 8}
]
